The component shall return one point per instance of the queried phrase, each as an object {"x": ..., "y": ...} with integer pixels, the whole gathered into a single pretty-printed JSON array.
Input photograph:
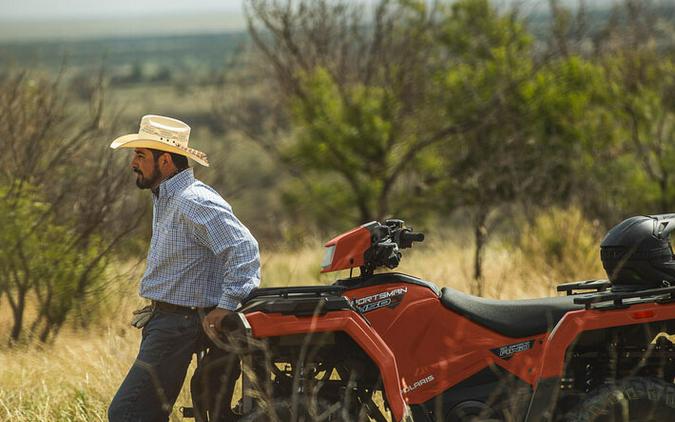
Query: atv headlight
[{"x": 328, "y": 257}]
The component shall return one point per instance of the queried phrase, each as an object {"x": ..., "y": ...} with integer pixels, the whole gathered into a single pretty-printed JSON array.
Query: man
[{"x": 201, "y": 262}]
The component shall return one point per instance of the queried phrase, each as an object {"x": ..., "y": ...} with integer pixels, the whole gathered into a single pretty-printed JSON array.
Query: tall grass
[{"x": 75, "y": 378}]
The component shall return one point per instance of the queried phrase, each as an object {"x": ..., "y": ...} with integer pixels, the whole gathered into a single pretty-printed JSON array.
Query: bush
[
  {"x": 561, "y": 245},
  {"x": 63, "y": 206},
  {"x": 45, "y": 260}
]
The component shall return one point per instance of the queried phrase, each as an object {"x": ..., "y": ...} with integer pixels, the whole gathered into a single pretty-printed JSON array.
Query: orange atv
[{"x": 391, "y": 346}]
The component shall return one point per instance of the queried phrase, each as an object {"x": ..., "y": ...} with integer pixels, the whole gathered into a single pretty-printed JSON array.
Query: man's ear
[
  {"x": 166, "y": 159},
  {"x": 167, "y": 162}
]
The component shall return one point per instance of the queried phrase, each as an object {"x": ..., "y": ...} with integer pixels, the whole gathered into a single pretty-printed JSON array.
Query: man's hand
[{"x": 212, "y": 320}]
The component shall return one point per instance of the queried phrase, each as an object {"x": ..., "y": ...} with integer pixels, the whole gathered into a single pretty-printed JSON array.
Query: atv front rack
[{"x": 606, "y": 300}]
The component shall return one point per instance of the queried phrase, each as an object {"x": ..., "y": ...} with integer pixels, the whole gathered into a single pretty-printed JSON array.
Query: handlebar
[
  {"x": 387, "y": 241},
  {"x": 412, "y": 237},
  {"x": 406, "y": 237}
]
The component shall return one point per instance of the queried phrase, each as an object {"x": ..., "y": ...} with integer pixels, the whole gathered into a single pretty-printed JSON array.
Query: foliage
[
  {"x": 493, "y": 163},
  {"x": 561, "y": 245},
  {"x": 435, "y": 107},
  {"x": 357, "y": 99},
  {"x": 62, "y": 212},
  {"x": 38, "y": 256},
  {"x": 347, "y": 134},
  {"x": 641, "y": 89}
]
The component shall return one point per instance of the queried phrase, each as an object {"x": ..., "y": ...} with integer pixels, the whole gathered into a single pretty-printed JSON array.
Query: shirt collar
[{"x": 176, "y": 183}]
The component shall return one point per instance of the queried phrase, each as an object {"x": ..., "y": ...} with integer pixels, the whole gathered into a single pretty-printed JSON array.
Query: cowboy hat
[{"x": 163, "y": 134}]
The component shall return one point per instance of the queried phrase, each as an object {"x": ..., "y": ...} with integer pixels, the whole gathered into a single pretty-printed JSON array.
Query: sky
[
  {"x": 30, "y": 20},
  {"x": 82, "y": 9}
]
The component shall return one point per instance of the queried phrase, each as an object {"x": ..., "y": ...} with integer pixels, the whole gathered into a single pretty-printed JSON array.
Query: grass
[
  {"x": 69, "y": 381},
  {"x": 74, "y": 378}
]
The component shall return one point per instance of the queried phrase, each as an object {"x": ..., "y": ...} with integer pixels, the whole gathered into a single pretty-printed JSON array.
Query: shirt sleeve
[{"x": 218, "y": 229}]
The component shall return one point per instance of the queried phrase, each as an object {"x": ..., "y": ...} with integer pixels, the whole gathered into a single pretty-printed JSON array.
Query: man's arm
[{"x": 218, "y": 229}]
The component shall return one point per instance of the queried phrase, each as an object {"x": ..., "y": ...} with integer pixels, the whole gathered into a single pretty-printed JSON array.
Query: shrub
[{"x": 561, "y": 245}]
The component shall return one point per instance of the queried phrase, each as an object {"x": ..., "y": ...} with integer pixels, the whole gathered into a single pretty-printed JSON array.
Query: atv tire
[
  {"x": 306, "y": 411},
  {"x": 629, "y": 399}
]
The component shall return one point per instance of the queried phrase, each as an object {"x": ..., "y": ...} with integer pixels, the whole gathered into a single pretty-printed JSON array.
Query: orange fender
[{"x": 273, "y": 325}]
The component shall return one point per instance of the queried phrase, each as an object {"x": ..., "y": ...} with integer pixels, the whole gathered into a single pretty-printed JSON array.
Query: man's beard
[{"x": 147, "y": 182}]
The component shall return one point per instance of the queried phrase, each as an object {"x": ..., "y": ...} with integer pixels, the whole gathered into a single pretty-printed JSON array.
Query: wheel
[
  {"x": 629, "y": 399},
  {"x": 305, "y": 410}
]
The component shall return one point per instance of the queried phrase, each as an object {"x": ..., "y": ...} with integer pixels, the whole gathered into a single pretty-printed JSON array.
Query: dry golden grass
[{"x": 75, "y": 378}]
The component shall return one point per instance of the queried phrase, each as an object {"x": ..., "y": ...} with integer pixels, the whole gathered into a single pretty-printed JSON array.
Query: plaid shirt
[{"x": 200, "y": 253}]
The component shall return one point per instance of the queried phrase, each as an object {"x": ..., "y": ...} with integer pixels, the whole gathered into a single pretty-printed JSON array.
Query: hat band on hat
[{"x": 162, "y": 135}]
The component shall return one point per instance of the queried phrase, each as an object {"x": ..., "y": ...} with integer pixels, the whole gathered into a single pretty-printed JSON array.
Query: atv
[{"x": 389, "y": 346}]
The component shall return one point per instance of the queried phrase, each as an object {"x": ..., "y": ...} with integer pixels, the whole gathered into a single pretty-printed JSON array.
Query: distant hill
[{"x": 182, "y": 52}]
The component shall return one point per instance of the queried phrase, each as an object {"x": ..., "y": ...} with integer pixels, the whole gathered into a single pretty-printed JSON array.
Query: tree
[
  {"x": 490, "y": 59},
  {"x": 359, "y": 95},
  {"x": 532, "y": 148},
  {"x": 640, "y": 72},
  {"x": 62, "y": 275},
  {"x": 455, "y": 103},
  {"x": 624, "y": 162},
  {"x": 61, "y": 200}
]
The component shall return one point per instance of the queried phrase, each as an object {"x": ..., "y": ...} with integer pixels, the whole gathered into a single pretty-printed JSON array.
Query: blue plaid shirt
[{"x": 200, "y": 253}]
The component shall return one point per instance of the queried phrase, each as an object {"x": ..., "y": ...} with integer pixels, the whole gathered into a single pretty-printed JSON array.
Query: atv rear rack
[
  {"x": 606, "y": 300},
  {"x": 597, "y": 285},
  {"x": 299, "y": 301},
  {"x": 296, "y": 291}
]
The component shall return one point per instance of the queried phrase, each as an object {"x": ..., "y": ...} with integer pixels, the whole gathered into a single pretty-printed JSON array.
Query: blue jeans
[{"x": 153, "y": 383}]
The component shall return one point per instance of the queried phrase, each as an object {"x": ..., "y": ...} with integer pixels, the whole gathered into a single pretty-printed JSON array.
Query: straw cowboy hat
[{"x": 163, "y": 134}]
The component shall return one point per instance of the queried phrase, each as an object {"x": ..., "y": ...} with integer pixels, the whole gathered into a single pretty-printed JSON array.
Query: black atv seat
[{"x": 512, "y": 318}]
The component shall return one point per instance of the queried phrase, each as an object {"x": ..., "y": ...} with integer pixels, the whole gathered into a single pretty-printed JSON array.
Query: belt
[{"x": 178, "y": 309}]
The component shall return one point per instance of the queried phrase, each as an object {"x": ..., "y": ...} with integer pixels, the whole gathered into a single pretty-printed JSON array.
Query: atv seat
[{"x": 512, "y": 318}]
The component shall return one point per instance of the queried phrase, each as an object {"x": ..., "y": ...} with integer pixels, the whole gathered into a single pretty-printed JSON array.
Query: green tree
[
  {"x": 39, "y": 257},
  {"x": 62, "y": 203},
  {"x": 624, "y": 165},
  {"x": 359, "y": 98},
  {"x": 642, "y": 86},
  {"x": 490, "y": 60},
  {"x": 537, "y": 145}
]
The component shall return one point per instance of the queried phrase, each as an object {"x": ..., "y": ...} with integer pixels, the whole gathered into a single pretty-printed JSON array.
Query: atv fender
[
  {"x": 551, "y": 369},
  {"x": 272, "y": 325}
]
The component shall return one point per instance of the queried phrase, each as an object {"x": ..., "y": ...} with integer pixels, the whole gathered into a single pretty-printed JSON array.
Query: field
[
  {"x": 552, "y": 166},
  {"x": 75, "y": 378}
]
